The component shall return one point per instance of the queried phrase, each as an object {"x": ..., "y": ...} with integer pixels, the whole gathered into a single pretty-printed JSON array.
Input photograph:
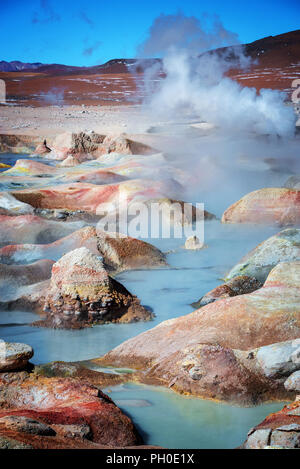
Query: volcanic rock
[
  {"x": 14, "y": 356},
  {"x": 13, "y": 277},
  {"x": 81, "y": 293},
  {"x": 88, "y": 145},
  {"x": 293, "y": 381},
  {"x": 192, "y": 242},
  {"x": 90, "y": 197},
  {"x": 69, "y": 162},
  {"x": 237, "y": 286},
  {"x": 282, "y": 247},
  {"x": 266, "y": 206},
  {"x": 10, "y": 205},
  {"x": 122, "y": 252},
  {"x": 278, "y": 430},
  {"x": 33, "y": 229},
  {"x": 71, "y": 411},
  {"x": 28, "y": 253}
]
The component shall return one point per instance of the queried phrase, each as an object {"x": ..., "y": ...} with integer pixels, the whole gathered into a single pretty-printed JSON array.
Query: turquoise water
[{"x": 173, "y": 421}]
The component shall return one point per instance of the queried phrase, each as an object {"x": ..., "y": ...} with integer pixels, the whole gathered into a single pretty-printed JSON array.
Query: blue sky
[{"x": 79, "y": 32}]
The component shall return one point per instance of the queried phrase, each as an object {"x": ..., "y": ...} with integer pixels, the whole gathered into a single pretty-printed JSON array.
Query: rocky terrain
[{"x": 38, "y": 412}]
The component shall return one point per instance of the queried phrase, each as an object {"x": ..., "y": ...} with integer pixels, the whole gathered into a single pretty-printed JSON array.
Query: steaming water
[{"x": 171, "y": 420}]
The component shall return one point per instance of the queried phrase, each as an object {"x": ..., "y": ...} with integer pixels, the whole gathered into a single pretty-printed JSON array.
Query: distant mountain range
[
  {"x": 112, "y": 66},
  {"x": 282, "y": 50},
  {"x": 17, "y": 66}
]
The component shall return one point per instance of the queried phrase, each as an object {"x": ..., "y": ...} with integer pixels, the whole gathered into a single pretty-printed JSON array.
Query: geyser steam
[{"x": 195, "y": 83}]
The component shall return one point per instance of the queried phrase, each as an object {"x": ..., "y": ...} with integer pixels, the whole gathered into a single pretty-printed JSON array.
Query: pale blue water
[{"x": 175, "y": 421}]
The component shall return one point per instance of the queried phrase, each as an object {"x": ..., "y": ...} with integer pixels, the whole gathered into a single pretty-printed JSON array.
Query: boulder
[
  {"x": 33, "y": 229},
  {"x": 122, "y": 144},
  {"x": 90, "y": 197},
  {"x": 293, "y": 381},
  {"x": 13, "y": 277},
  {"x": 28, "y": 253},
  {"x": 24, "y": 167},
  {"x": 122, "y": 252},
  {"x": 24, "y": 286},
  {"x": 58, "y": 413},
  {"x": 81, "y": 293},
  {"x": 26, "y": 425},
  {"x": 279, "y": 360},
  {"x": 278, "y": 430},
  {"x": 87, "y": 145},
  {"x": 192, "y": 242},
  {"x": 180, "y": 213},
  {"x": 14, "y": 356},
  {"x": 70, "y": 161},
  {"x": 10, "y": 205},
  {"x": 237, "y": 286},
  {"x": 222, "y": 334},
  {"x": 282, "y": 247},
  {"x": 266, "y": 206}
]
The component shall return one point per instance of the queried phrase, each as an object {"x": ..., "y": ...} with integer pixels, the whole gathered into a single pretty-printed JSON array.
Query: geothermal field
[{"x": 150, "y": 250}]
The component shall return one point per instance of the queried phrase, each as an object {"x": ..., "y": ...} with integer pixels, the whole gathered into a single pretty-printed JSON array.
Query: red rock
[
  {"x": 98, "y": 176},
  {"x": 271, "y": 205},
  {"x": 89, "y": 197},
  {"x": 122, "y": 252},
  {"x": 62, "y": 405},
  {"x": 280, "y": 429},
  {"x": 31, "y": 168},
  {"x": 82, "y": 293},
  {"x": 17, "y": 281},
  {"x": 237, "y": 286},
  {"x": 24, "y": 253},
  {"x": 33, "y": 229}
]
